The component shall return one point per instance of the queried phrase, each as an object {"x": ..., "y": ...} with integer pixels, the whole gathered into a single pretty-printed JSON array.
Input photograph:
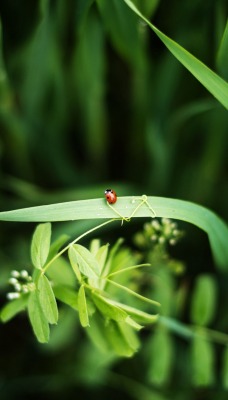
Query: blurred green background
[{"x": 89, "y": 99}]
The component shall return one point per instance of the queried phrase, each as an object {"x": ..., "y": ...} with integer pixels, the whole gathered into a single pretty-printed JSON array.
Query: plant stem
[{"x": 76, "y": 240}]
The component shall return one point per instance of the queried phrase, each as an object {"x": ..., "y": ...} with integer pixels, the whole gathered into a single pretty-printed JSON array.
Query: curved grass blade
[
  {"x": 197, "y": 215},
  {"x": 209, "y": 79}
]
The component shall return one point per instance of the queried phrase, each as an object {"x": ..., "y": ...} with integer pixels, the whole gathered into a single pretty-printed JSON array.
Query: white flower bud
[
  {"x": 13, "y": 281},
  {"x": 24, "y": 274},
  {"x": 155, "y": 225},
  {"x": 17, "y": 287},
  {"x": 12, "y": 296},
  {"x": 154, "y": 238},
  {"x": 15, "y": 274}
]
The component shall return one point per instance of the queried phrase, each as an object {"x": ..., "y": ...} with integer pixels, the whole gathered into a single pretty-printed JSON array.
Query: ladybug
[{"x": 111, "y": 196}]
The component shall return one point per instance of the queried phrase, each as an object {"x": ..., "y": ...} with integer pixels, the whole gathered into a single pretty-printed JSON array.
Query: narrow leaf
[
  {"x": 222, "y": 57},
  {"x": 86, "y": 262},
  {"x": 161, "y": 358},
  {"x": 225, "y": 368},
  {"x": 139, "y": 316},
  {"x": 47, "y": 300},
  {"x": 41, "y": 245},
  {"x": 130, "y": 335},
  {"x": 204, "y": 300},
  {"x": 56, "y": 246},
  {"x": 67, "y": 296},
  {"x": 13, "y": 307},
  {"x": 135, "y": 294},
  {"x": 212, "y": 82},
  {"x": 82, "y": 307},
  {"x": 37, "y": 318},
  {"x": 109, "y": 310},
  {"x": 101, "y": 256},
  {"x": 203, "y": 360},
  {"x": 164, "y": 207},
  {"x": 118, "y": 340},
  {"x": 74, "y": 263}
]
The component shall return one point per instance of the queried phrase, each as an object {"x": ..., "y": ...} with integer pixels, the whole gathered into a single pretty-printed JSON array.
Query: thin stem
[
  {"x": 143, "y": 200},
  {"x": 127, "y": 219},
  {"x": 146, "y": 299},
  {"x": 74, "y": 241},
  {"x": 126, "y": 269}
]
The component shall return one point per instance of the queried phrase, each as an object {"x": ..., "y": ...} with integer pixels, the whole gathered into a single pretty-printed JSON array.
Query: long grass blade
[
  {"x": 197, "y": 215},
  {"x": 209, "y": 79}
]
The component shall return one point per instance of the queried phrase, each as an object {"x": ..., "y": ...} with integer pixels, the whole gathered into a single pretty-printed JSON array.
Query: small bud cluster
[
  {"x": 163, "y": 232},
  {"x": 21, "y": 283}
]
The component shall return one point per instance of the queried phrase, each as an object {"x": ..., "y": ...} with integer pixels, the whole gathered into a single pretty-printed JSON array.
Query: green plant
[{"x": 98, "y": 270}]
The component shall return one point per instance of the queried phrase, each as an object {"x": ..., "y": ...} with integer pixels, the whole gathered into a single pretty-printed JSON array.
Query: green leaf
[
  {"x": 139, "y": 316},
  {"x": 74, "y": 263},
  {"x": 222, "y": 58},
  {"x": 212, "y": 82},
  {"x": 203, "y": 360},
  {"x": 109, "y": 310},
  {"x": 67, "y": 296},
  {"x": 97, "y": 333},
  {"x": 94, "y": 246},
  {"x": 41, "y": 245},
  {"x": 56, "y": 246},
  {"x": 122, "y": 28},
  {"x": 101, "y": 256},
  {"x": 86, "y": 262},
  {"x": 204, "y": 300},
  {"x": 161, "y": 358},
  {"x": 60, "y": 272},
  {"x": 133, "y": 293},
  {"x": 47, "y": 300},
  {"x": 37, "y": 318},
  {"x": 225, "y": 368},
  {"x": 82, "y": 307},
  {"x": 129, "y": 335},
  {"x": 14, "y": 307},
  {"x": 164, "y": 207},
  {"x": 118, "y": 340}
]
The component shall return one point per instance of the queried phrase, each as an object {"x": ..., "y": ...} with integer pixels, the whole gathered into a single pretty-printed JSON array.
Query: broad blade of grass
[
  {"x": 209, "y": 79},
  {"x": 200, "y": 216}
]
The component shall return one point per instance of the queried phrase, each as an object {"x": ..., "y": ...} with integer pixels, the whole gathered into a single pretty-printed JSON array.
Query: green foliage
[
  {"x": 37, "y": 318},
  {"x": 93, "y": 94},
  {"x": 169, "y": 208},
  {"x": 161, "y": 358},
  {"x": 13, "y": 308},
  {"x": 47, "y": 300},
  {"x": 203, "y": 360},
  {"x": 213, "y": 82},
  {"x": 204, "y": 300},
  {"x": 88, "y": 268},
  {"x": 41, "y": 245},
  {"x": 82, "y": 307}
]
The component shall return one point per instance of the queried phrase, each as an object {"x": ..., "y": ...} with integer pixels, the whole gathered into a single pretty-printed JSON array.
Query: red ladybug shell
[{"x": 111, "y": 196}]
